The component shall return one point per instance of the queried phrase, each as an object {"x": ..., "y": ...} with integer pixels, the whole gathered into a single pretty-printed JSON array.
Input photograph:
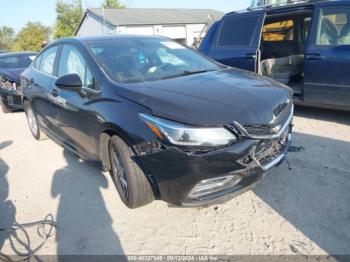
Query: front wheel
[
  {"x": 133, "y": 186},
  {"x": 33, "y": 123}
]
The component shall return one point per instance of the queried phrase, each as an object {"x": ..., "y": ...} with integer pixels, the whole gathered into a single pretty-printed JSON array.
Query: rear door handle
[{"x": 315, "y": 57}]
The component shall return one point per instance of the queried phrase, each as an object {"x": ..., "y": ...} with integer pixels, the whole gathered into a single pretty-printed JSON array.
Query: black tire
[
  {"x": 138, "y": 191},
  {"x": 31, "y": 117},
  {"x": 4, "y": 108}
]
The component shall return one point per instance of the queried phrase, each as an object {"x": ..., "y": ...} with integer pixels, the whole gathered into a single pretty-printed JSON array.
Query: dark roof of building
[{"x": 148, "y": 16}]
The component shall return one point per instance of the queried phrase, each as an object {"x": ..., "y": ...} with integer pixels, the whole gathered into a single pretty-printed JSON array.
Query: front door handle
[
  {"x": 315, "y": 57},
  {"x": 54, "y": 92},
  {"x": 56, "y": 99}
]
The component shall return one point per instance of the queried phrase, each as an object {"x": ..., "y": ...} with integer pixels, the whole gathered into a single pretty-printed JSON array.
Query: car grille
[
  {"x": 9, "y": 100},
  {"x": 259, "y": 130},
  {"x": 269, "y": 149},
  {"x": 266, "y": 131}
]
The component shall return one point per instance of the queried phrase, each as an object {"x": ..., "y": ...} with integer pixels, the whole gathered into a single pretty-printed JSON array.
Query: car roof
[
  {"x": 98, "y": 38},
  {"x": 17, "y": 54},
  {"x": 295, "y": 5}
]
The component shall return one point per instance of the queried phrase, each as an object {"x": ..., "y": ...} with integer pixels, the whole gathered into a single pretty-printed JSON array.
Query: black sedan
[
  {"x": 167, "y": 122},
  {"x": 11, "y": 66}
]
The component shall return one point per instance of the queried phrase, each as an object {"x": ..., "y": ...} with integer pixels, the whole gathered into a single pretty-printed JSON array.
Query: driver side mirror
[{"x": 71, "y": 82}]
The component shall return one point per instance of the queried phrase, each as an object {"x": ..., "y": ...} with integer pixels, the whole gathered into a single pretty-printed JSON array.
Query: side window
[
  {"x": 37, "y": 61},
  {"x": 72, "y": 62},
  {"x": 237, "y": 31},
  {"x": 334, "y": 26},
  {"x": 48, "y": 60},
  {"x": 278, "y": 31},
  {"x": 90, "y": 80}
]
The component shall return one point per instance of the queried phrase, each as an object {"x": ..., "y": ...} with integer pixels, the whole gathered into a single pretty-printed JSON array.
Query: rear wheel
[
  {"x": 33, "y": 123},
  {"x": 133, "y": 187}
]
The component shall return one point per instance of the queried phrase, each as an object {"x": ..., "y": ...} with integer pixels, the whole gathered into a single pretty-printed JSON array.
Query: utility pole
[{"x": 80, "y": 5}]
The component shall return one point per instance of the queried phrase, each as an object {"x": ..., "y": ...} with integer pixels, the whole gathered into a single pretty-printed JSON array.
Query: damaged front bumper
[
  {"x": 11, "y": 99},
  {"x": 176, "y": 173}
]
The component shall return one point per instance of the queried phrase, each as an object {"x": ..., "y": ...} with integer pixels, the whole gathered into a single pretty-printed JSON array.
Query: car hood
[
  {"x": 213, "y": 98},
  {"x": 13, "y": 74}
]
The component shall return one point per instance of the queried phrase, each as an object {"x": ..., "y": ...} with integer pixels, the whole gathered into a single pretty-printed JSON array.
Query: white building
[{"x": 183, "y": 25}]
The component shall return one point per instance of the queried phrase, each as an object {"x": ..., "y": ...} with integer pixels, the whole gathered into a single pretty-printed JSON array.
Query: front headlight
[{"x": 184, "y": 135}]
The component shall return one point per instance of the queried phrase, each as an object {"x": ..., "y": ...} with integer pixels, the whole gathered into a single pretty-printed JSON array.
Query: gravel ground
[{"x": 305, "y": 210}]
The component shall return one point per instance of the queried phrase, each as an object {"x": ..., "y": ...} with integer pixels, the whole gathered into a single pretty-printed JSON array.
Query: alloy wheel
[
  {"x": 32, "y": 121},
  {"x": 120, "y": 172}
]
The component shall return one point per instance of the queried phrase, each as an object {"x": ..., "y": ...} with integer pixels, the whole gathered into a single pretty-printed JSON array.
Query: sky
[{"x": 16, "y": 13}]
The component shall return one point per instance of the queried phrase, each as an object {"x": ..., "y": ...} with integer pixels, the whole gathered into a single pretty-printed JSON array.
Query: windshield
[
  {"x": 137, "y": 60},
  {"x": 19, "y": 61}
]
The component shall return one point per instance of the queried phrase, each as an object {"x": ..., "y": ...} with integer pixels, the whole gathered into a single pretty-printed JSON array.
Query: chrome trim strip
[
  {"x": 286, "y": 124},
  {"x": 321, "y": 84},
  {"x": 44, "y": 73}
]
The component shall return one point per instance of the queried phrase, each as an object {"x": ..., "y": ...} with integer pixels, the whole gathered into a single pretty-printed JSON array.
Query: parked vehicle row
[
  {"x": 166, "y": 122},
  {"x": 11, "y": 66},
  {"x": 305, "y": 46}
]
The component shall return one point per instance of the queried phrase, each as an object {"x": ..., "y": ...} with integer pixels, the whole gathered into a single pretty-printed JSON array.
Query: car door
[
  {"x": 326, "y": 70},
  {"x": 237, "y": 40},
  {"x": 72, "y": 108},
  {"x": 40, "y": 80}
]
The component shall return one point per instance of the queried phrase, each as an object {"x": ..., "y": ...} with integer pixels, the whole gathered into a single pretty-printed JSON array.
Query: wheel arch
[
  {"x": 108, "y": 131},
  {"x": 103, "y": 150},
  {"x": 25, "y": 101}
]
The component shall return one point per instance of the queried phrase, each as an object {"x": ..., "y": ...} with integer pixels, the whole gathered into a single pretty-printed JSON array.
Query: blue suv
[{"x": 305, "y": 46}]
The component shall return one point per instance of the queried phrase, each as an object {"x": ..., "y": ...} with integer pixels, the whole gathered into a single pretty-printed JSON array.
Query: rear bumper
[
  {"x": 176, "y": 172},
  {"x": 11, "y": 99}
]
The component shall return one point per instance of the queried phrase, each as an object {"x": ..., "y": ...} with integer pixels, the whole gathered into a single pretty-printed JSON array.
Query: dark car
[
  {"x": 11, "y": 67},
  {"x": 166, "y": 122},
  {"x": 305, "y": 45}
]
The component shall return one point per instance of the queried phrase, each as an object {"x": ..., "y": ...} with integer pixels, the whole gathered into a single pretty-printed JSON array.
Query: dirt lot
[{"x": 304, "y": 210}]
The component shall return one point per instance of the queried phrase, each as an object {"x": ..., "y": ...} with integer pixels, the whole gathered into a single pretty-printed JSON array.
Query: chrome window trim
[{"x": 42, "y": 72}]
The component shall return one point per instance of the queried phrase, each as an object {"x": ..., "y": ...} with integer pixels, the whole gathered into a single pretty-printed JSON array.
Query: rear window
[
  {"x": 238, "y": 31},
  {"x": 278, "y": 31},
  {"x": 21, "y": 61}
]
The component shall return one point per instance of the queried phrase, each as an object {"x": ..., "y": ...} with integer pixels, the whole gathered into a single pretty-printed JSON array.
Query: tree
[
  {"x": 68, "y": 18},
  {"x": 31, "y": 37},
  {"x": 113, "y": 4},
  {"x": 7, "y": 35}
]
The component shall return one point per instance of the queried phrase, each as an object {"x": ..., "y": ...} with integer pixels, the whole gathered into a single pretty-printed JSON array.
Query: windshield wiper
[{"x": 187, "y": 73}]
